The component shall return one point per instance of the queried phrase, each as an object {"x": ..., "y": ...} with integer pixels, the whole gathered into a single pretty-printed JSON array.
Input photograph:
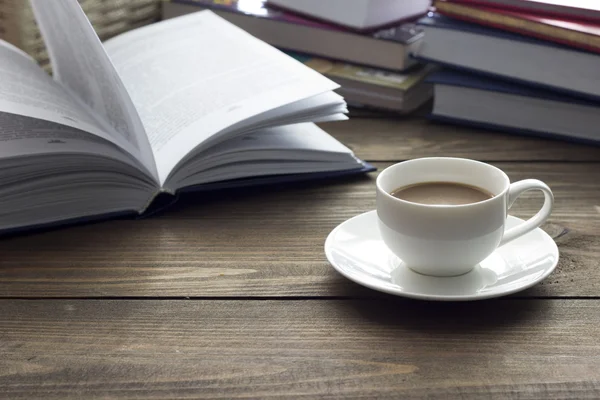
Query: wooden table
[{"x": 230, "y": 296}]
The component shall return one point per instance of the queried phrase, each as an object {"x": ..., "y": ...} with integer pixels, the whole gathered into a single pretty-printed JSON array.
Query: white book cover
[{"x": 357, "y": 14}]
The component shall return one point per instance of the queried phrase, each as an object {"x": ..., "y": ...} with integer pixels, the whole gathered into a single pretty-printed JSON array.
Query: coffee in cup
[
  {"x": 442, "y": 216},
  {"x": 442, "y": 193}
]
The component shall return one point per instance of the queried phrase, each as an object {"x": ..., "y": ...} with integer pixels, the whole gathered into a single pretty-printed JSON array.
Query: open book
[{"x": 185, "y": 104}]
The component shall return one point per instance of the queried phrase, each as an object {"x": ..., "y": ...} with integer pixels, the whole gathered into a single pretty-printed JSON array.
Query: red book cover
[
  {"x": 579, "y": 34},
  {"x": 583, "y": 10}
]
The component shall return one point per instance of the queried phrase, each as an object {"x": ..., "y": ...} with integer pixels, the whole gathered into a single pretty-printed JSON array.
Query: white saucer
[{"x": 355, "y": 250}]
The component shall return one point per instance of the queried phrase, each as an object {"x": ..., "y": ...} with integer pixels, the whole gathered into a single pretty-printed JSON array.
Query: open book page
[
  {"x": 301, "y": 142},
  {"x": 25, "y": 140},
  {"x": 323, "y": 107},
  {"x": 80, "y": 63},
  {"x": 192, "y": 77},
  {"x": 306, "y": 137},
  {"x": 297, "y": 148},
  {"x": 56, "y": 172},
  {"x": 27, "y": 90}
]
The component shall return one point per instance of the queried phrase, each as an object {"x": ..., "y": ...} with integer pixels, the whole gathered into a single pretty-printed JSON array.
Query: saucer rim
[{"x": 421, "y": 296}]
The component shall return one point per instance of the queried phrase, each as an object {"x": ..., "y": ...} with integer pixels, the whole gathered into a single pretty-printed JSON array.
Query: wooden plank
[
  {"x": 270, "y": 243},
  {"x": 528, "y": 349},
  {"x": 391, "y": 139}
]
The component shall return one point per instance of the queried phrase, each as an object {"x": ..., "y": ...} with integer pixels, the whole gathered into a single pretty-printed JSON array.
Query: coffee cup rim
[{"x": 443, "y": 206}]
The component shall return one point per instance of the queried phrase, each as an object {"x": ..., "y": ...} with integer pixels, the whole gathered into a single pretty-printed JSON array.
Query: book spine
[{"x": 519, "y": 25}]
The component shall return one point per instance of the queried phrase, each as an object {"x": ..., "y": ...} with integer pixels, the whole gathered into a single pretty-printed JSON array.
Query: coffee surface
[{"x": 441, "y": 193}]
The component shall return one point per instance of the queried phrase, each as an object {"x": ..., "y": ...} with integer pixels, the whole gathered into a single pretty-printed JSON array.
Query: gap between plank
[{"x": 288, "y": 298}]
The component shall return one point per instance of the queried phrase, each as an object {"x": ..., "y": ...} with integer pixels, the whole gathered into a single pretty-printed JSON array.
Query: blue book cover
[
  {"x": 435, "y": 20},
  {"x": 483, "y": 82},
  {"x": 457, "y": 78},
  {"x": 438, "y": 21}
]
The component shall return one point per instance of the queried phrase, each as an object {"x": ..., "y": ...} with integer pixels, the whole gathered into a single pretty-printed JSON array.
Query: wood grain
[
  {"x": 269, "y": 242},
  {"x": 537, "y": 349},
  {"x": 400, "y": 138}
]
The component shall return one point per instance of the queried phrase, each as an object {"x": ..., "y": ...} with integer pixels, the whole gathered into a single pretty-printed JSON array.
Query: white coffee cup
[{"x": 450, "y": 240}]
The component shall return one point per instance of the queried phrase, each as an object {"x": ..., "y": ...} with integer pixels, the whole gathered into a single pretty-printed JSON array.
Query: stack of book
[
  {"x": 530, "y": 66},
  {"x": 365, "y": 48}
]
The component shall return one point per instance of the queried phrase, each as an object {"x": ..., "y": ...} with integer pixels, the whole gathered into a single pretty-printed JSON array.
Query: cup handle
[{"x": 514, "y": 191}]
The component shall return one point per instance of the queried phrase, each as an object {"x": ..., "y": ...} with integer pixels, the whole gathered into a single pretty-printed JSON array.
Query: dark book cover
[
  {"x": 453, "y": 77},
  {"x": 434, "y": 20},
  {"x": 457, "y": 78}
]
